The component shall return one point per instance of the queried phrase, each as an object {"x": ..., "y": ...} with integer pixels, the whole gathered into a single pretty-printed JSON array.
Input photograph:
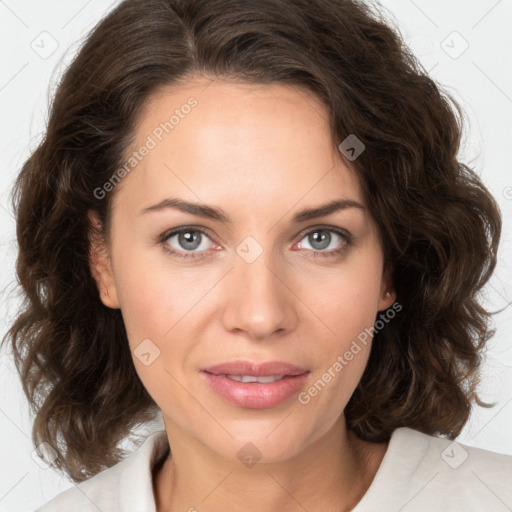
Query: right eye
[{"x": 185, "y": 242}]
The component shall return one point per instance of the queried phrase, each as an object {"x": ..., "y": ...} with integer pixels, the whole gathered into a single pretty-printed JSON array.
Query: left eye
[{"x": 321, "y": 239}]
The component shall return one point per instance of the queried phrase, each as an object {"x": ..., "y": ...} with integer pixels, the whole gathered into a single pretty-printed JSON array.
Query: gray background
[{"x": 465, "y": 45}]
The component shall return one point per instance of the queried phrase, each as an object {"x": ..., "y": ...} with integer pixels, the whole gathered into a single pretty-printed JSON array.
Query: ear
[
  {"x": 387, "y": 291},
  {"x": 100, "y": 263}
]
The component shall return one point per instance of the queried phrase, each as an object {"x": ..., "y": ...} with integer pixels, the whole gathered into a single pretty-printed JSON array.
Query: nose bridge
[{"x": 259, "y": 303}]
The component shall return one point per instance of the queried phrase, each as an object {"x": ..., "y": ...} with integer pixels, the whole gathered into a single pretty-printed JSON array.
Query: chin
[{"x": 272, "y": 442}]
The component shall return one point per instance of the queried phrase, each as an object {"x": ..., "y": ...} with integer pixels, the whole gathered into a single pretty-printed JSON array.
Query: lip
[
  {"x": 257, "y": 369},
  {"x": 255, "y": 395}
]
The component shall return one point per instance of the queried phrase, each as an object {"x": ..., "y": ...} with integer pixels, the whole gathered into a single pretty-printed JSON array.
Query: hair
[{"x": 438, "y": 225}]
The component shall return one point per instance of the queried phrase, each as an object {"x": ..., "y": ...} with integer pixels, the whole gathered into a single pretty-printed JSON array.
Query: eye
[
  {"x": 320, "y": 239},
  {"x": 184, "y": 242}
]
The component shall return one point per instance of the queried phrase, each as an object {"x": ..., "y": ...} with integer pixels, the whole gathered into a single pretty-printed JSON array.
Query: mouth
[{"x": 256, "y": 386}]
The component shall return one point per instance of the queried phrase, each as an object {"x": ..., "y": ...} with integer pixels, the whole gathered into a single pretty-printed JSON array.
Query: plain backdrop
[{"x": 466, "y": 46}]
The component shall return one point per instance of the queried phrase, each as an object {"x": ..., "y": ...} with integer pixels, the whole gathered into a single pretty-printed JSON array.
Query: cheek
[
  {"x": 152, "y": 296},
  {"x": 142, "y": 306},
  {"x": 152, "y": 307},
  {"x": 347, "y": 301}
]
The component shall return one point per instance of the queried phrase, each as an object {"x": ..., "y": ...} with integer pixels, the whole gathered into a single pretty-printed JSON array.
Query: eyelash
[{"x": 345, "y": 235}]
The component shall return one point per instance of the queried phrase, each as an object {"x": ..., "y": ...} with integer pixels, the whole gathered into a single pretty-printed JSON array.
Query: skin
[{"x": 261, "y": 153}]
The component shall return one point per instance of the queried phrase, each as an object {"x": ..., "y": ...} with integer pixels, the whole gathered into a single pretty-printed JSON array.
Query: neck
[{"x": 333, "y": 473}]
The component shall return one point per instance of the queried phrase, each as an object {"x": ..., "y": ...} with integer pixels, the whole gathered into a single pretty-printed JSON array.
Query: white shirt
[{"x": 419, "y": 473}]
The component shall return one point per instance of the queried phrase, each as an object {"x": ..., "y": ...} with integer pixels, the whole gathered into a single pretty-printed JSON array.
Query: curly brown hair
[{"x": 438, "y": 224}]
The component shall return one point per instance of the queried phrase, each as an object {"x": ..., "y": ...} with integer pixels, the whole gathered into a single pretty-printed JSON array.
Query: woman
[{"x": 249, "y": 217}]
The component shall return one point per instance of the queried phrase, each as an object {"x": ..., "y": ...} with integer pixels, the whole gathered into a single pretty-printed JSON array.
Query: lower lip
[{"x": 255, "y": 395}]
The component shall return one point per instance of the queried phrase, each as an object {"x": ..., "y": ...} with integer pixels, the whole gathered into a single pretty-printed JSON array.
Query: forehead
[
  {"x": 209, "y": 138},
  {"x": 242, "y": 112}
]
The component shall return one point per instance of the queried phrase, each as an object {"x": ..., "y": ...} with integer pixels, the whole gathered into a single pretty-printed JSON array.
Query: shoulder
[
  {"x": 126, "y": 486},
  {"x": 456, "y": 461},
  {"x": 422, "y": 473}
]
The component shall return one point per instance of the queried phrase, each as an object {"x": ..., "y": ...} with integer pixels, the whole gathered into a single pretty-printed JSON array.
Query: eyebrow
[{"x": 215, "y": 213}]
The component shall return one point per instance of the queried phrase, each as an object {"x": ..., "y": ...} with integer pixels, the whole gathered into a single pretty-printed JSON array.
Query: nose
[{"x": 259, "y": 301}]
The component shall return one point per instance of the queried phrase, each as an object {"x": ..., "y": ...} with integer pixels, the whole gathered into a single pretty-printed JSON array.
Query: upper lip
[{"x": 255, "y": 369}]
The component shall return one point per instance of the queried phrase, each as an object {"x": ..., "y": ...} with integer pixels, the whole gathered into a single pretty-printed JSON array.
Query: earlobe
[
  {"x": 387, "y": 292},
  {"x": 387, "y": 300},
  {"x": 100, "y": 264}
]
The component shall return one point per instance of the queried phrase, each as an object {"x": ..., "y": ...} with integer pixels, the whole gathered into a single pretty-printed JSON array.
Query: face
[{"x": 251, "y": 277}]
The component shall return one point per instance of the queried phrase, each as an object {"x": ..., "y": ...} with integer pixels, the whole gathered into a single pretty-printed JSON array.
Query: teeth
[{"x": 252, "y": 378}]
